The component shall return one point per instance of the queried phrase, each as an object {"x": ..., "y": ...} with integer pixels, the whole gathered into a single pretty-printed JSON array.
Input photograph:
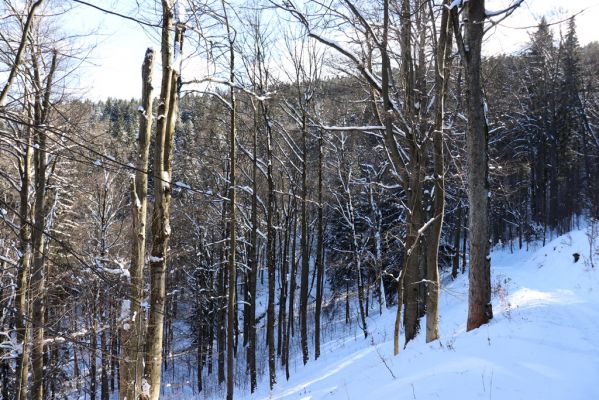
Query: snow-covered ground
[{"x": 543, "y": 342}]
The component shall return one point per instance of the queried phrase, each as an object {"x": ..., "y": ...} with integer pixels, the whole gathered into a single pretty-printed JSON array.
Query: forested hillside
[{"x": 297, "y": 172}]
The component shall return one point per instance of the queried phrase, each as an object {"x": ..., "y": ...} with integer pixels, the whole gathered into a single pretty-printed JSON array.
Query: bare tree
[
  {"x": 442, "y": 70},
  {"x": 131, "y": 368},
  {"x": 19, "y": 54},
  {"x": 232, "y": 268},
  {"x": 161, "y": 229},
  {"x": 479, "y": 293}
]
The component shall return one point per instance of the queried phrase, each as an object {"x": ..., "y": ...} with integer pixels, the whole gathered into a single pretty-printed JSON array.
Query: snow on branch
[
  {"x": 262, "y": 97},
  {"x": 505, "y": 11},
  {"x": 454, "y": 4},
  {"x": 353, "y": 128}
]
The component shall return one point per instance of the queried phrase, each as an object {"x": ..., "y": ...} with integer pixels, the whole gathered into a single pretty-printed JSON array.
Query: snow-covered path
[{"x": 542, "y": 344}]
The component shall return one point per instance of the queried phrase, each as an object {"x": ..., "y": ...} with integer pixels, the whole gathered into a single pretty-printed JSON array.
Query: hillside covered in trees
[{"x": 331, "y": 169}]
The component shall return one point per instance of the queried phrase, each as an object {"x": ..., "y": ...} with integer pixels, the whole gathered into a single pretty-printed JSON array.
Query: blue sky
[{"x": 114, "y": 68}]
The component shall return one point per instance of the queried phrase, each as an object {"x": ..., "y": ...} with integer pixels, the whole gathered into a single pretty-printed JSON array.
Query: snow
[
  {"x": 454, "y": 3},
  {"x": 541, "y": 343},
  {"x": 125, "y": 309},
  {"x": 181, "y": 12},
  {"x": 137, "y": 201},
  {"x": 182, "y": 185},
  {"x": 145, "y": 387}
]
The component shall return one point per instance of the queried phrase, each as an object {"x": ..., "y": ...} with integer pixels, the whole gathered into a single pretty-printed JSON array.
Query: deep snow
[{"x": 541, "y": 344}]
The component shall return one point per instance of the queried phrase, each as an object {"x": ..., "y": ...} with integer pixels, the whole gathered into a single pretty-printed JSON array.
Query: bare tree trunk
[
  {"x": 253, "y": 261},
  {"x": 221, "y": 336},
  {"x": 464, "y": 243},
  {"x": 114, "y": 348},
  {"x": 270, "y": 260},
  {"x": 319, "y": 253},
  {"x": 412, "y": 78},
  {"x": 284, "y": 247},
  {"x": 161, "y": 230},
  {"x": 93, "y": 344},
  {"x": 410, "y": 276},
  {"x": 104, "y": 392},
  {"x": 443, "y": 53},
  {"x": 456, "y": 242},
  {"x": 292, "y": 285},
  {"x": 232, "y": 270},
  {"x": 38, "y": 289},
  {"x": 304, "y": 246},
  {"x": 133, "y": 330},
  {"x": 357, "y": 261},
  {"x": 479, "y": 295},
  {"x": 22, "y": 297}
]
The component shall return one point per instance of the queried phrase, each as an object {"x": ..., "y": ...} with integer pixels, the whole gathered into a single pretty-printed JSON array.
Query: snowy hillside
[{"x": 541, "y": 344}]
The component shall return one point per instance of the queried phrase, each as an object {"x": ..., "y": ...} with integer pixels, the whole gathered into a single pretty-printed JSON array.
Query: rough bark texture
[
  {"x": 22, "y": 299},
  {"x": 131, "y": 367},
  {"x": 411, "y": 320},
  {"x": 37, "y": 277},
  {"x": 38, "y": 289},
  {"x": 411, "y": 289},
  {"x": 479, "y": 294},
  {"x": 161, "y": 230}
]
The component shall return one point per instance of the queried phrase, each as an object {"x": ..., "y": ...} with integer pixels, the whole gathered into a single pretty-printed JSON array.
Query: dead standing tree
[
  {"x": 163, "y": 159},
  {"x": 131, "y": 367}
]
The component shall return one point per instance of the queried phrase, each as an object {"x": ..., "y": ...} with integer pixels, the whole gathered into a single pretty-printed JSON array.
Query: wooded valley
[{"x": 336, "y": 159}]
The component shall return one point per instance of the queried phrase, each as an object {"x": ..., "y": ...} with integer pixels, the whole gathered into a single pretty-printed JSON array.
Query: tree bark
[
  {"x": 22, "y": 297},
  {"x": 292, "y": 285},
  {"x": 232, "y": 270},
  {"x": 304, "y": 246},
  {"x": 319, "y": 252},
  {"x": 443, "y": 53},
  {"x": 133, "y": 331},
  {"x": 38, "y": 289},
  {"x": 270, "y": 261},
  {"x": 253, "y": 270},
  {"x": 479, "y": 294},
  {"x": 161, "y": 230}
]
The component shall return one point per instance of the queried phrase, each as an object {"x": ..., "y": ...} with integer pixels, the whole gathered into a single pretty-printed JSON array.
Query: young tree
[
  {"x": 442, "y": 71},
  {"x": 232, "y": 269}
]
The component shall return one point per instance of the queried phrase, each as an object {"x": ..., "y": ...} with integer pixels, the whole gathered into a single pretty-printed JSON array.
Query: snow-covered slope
[{"x": 542, "y": 344}]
